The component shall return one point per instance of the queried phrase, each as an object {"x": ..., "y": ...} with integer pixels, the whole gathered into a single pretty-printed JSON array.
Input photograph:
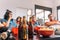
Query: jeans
[{"x": 3, "y": 29}]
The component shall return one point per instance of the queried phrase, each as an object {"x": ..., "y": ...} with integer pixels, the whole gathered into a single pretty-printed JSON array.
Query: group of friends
[{"x": 7, "y": 23}]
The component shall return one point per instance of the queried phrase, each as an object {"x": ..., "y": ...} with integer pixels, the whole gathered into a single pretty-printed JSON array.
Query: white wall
[
  {"x": 55, "y": 4},
  {"x": 10, "y": 4},
  {"x": 25, "y": 3}
]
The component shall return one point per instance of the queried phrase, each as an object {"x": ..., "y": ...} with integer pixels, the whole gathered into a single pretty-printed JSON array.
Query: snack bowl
[{"x": 46, "y": 32}]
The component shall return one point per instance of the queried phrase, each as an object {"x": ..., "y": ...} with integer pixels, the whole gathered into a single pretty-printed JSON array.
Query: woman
[
  {"x": 30, "y": 29},
  {"x": 8, "y": 22},
  {"x": 20, "y": 29},
  {"x": 18, "y": 20},
  {"x": 23, "y": 29}
]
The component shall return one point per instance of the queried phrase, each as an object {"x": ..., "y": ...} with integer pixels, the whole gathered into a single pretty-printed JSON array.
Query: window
[
  {"x": 42, "y": 12},
  {"x": 39, "y": 14},
  {"x": 58, "y": 13},
  {"x": 46, "y": 15}
]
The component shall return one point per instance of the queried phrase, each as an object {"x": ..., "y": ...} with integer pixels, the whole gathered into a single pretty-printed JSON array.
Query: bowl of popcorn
[{"x": 46, "y": 31}]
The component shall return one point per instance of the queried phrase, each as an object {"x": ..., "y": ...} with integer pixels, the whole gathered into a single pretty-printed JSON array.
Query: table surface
[{"x": 55, "y": 37}]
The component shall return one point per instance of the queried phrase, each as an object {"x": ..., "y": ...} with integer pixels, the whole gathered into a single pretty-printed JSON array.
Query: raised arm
[{"x": 50, "y": 23}]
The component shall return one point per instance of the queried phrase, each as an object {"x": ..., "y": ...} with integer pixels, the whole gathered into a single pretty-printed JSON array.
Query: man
[{"x": 52, "y": 21}]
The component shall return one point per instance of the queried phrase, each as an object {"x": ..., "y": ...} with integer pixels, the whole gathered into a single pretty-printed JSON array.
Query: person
[
  {"x": 51, "y": 21},
  {"x": 34, "y": 21},
  {"x": 18, "y": 20},
  {"x": 8, "y": 21},
  {"x": 23, "y": 29},
  {"x": 30, "y": 29},
  {"x": 20, "y": 30}
]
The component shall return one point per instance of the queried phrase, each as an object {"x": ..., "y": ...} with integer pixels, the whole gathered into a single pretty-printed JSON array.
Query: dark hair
[
  {"x": 33, "y": 16},
  {"x": 18, "y": 18},
  {"x": 24, "y": 17},
  {"x": 30, "y": 18},
  {"x": 49, "y": 15},
  {"x": 6, "y": 16}
]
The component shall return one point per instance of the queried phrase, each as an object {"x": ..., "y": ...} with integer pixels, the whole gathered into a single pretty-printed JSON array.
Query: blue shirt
[
  {"x": 36, "y": 23},
  {"x": 11, "y": 24}
]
